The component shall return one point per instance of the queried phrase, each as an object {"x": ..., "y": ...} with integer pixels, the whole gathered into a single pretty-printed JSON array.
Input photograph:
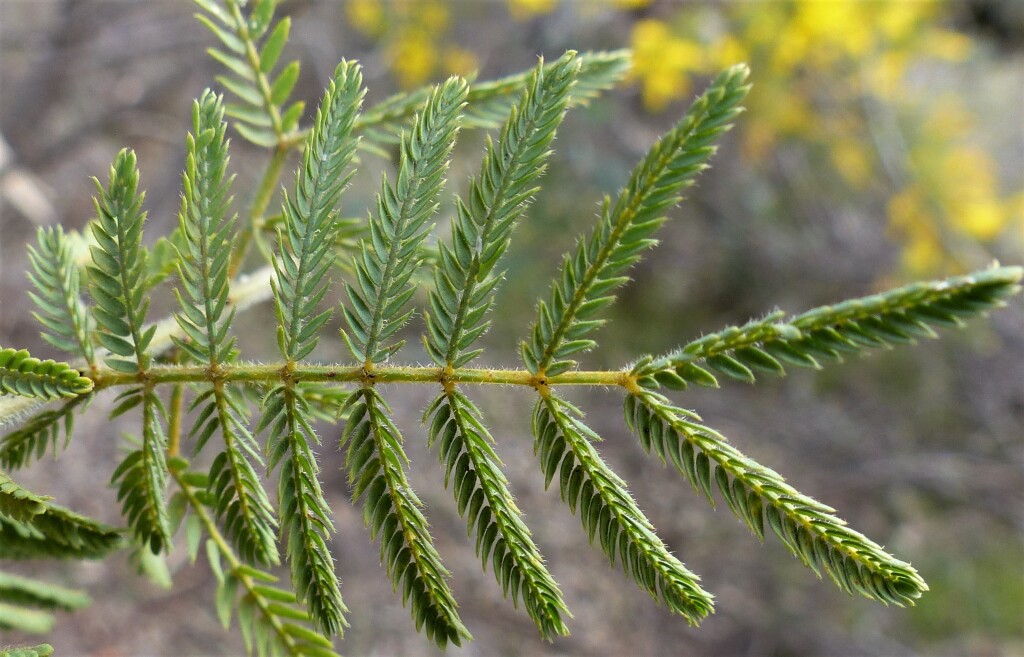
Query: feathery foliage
[
  {"x": 194, "y": 354},
  {"x": 826, "y": 333},
  {"x": 254, "y": 44},
  {"x": 302, "y": 266},
  {"x": 42, "y": 650},
  {"x": 488, "y": 103},
  {"x": 464, "y": 279},
  {"x": 207, "y": 234},
  {"x": 39, "y": 433},
  {"x": 807, "y": 527},
  {"x": 375, "y": 462},
  {"x": 20, "y": 374},
  {"x": 388, "y": 257},
  {"x": 564, "y": 446},
  {"x": 57, "y": 282},
  {"x": 31, "y": 527},
  {"x": 624, "y": 232}
]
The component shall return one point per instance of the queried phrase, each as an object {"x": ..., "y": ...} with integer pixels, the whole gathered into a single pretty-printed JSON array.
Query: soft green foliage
[
  {"x": 39, "y": 433},
  {"x": 887, "y": 319},
  {"x": 565, "y": 447},
  {"x": 624, "y": 231},
  {"x": 58, "y": 283},
  {"x": 254, "y": 45},
  {"x": 20, "y": 374},
  {"x": 25, "y": 603},
  {"x": 190, "y": 363},
  {"x": 31, "y": 527}
]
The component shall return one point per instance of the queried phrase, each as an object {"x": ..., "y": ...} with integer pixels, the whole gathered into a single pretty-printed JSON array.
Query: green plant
[{"x": 189, "y": 365}]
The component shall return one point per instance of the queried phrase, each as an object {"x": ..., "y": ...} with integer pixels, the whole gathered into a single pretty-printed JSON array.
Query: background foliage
[{"x": 867, "y": 155}]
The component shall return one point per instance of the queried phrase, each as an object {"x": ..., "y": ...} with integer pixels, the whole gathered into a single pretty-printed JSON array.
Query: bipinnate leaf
[
  {"x": 25, "y": 376},
  {"x": 117, "y": 274},
  {"x": 564, "y": 446},
  {"x": 306, "y": 240},
  {"x": 473, "y": 473},
  {"x": 465, "y": 278},
  {"x": 827, "y": 333},
  {"x": 250, "y": 51},
  {"x": 376, "y": 462},
  {"x": 31, "y": 526},
  {"x": 757, "y": 495},
  {"x": 390, "y": 254},
  {"x": 56, "y": 283},
  {"x": 625, "y": 229}
]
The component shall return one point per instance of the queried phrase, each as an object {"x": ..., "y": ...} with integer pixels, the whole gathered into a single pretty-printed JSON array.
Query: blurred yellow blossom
[
  {"x": 523, "y": 9},
  {"x": 662, "y": 62},
  {"x": 459, "y": 61},
  {"x": 367, "y": 16},
  {"x": 413, "y": 58}
]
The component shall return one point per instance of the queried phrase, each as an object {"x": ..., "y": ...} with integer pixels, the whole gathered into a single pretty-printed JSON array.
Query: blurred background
[{"x": 883, "y": 142}]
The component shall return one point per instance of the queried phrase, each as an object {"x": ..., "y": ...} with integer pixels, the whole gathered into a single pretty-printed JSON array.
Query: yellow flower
[
  {"x": 853, "y": 161},
  {"x": 366, "y": 16},
  {"x": 946, "y": 44},
  {"x": 458, "y": 61},
  {"x": 524, "y": 9},
  {"x": 413, "y": 58}
]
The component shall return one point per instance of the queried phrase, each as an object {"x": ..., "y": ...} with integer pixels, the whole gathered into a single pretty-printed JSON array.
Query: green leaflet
[
  {"x": 24, "y": 603},
  {"x": 489, "y": 102},
  {"x": 389, "y": 255},
  {"x": 826, "y": 333},
  {"x": 38, "y": 433},
  {"x": 262, "y": 116},
  {"x": 473, "y": 473},
  {"x": 757, "y": 494},
  {"x": 22, "y": 375},
  {"x": 117, "y": 274},
  {"x": 597, "y": 266},
  {"x": 207, "y": 235},
  {"x": 57, "y": 282},
  {"x": 563, "y": 444},
  {"x": 142, "y": 476},
  {"x": 31, "y": 527},
  {"x": 306, "y": 255},
  {"x": 465, "y": 277},
  {"x": 375, "y": 462},
  {"x": 306, "y": 517}
]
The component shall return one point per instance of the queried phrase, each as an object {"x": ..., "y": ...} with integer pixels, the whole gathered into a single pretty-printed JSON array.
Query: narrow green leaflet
[
  {"x": 465, "y": 278},
  {"x": 564, "y": 446},
  {"x": 25, "y": 603},
  {"x": 38, "y": 434},
  {"x": 56, "y": 292},
  {"x": 757, "y": 494},
  {"x": 251, "y": 46},
  {"x": 827, "y": 333},
  {"x": 489, "y": 102},
  {"x": 272, "y": 621},
  {"x": 22, "y": 375},
  {"x": 473, "y": 473},
  {"x": 597, "y": 267},
  {"x": 305, "y": 258},
  {"x": 141, "y": 477},
  {"x": 118, "y": 270},
  {"x": 207, "y": 233},
  {"x": 388, "y": 257},
  {"x": 375, "y": 462},
  {"x": 32, "y": 527},
  {"x": 306, "y": 254}
]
